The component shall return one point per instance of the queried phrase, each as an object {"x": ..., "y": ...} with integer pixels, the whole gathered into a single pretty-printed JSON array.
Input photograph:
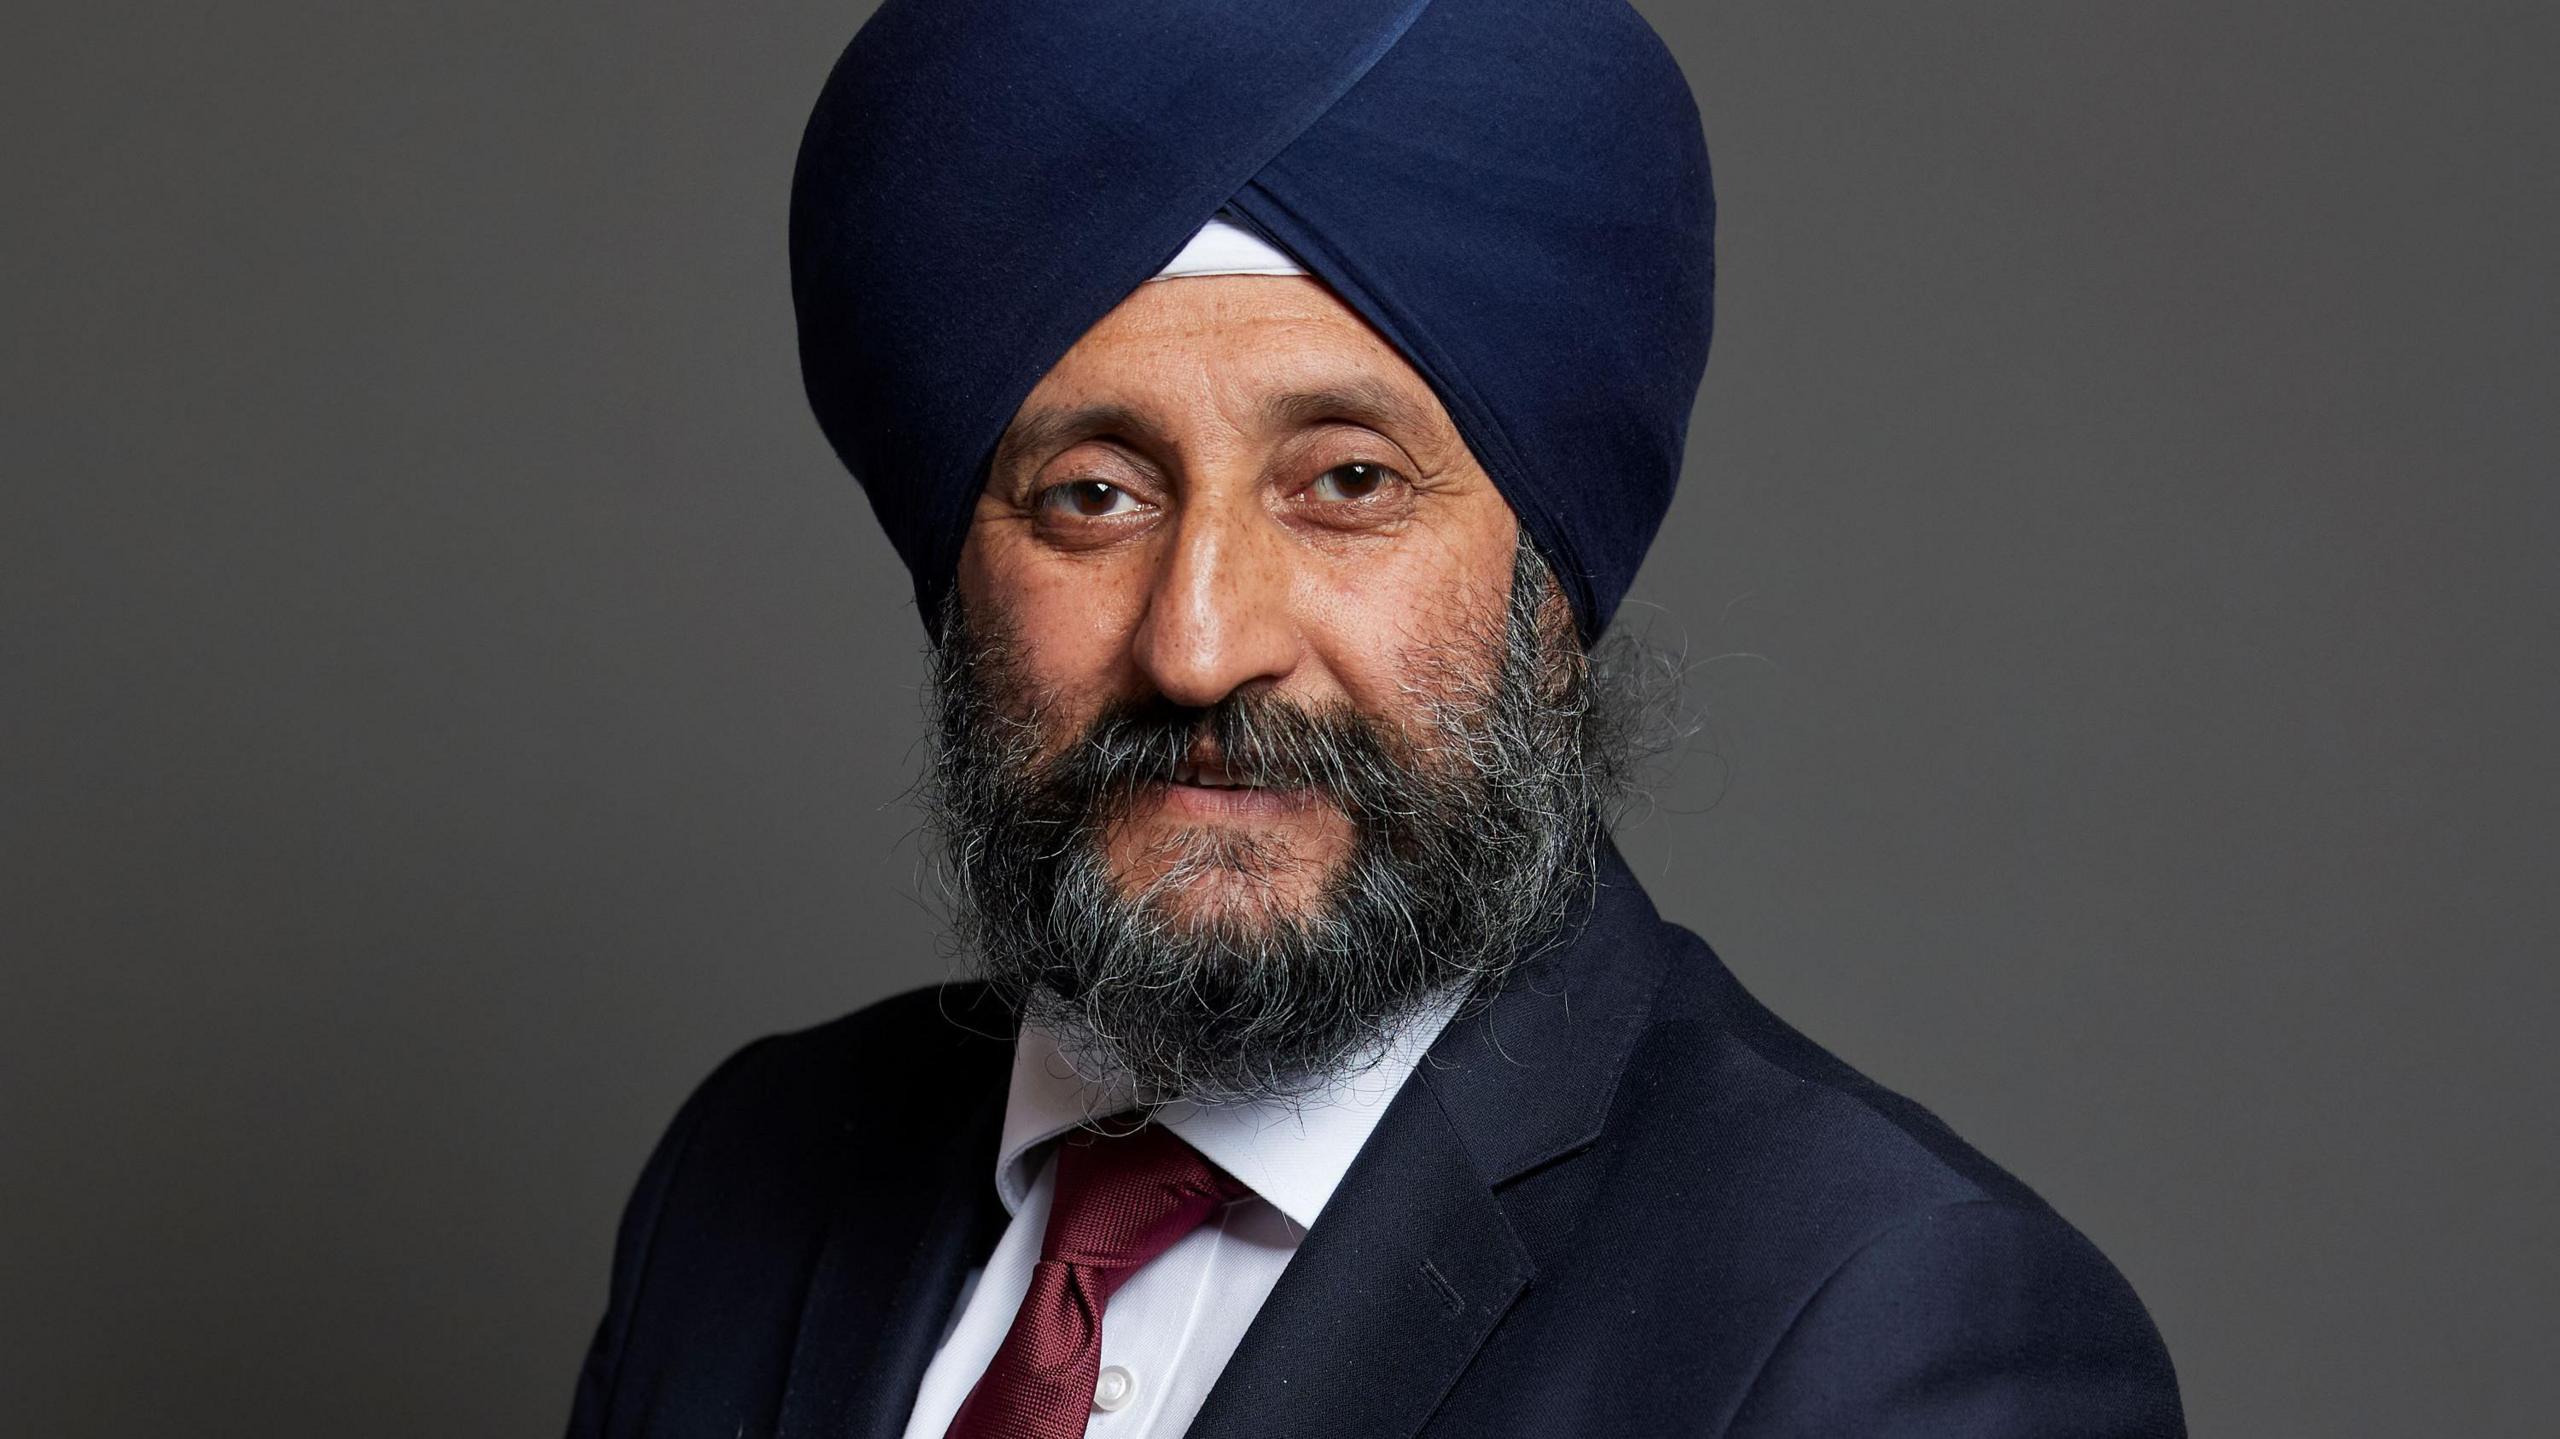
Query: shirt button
[{"x": 1113, "y": 1389}]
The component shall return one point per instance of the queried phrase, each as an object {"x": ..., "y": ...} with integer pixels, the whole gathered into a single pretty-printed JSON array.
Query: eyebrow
[
  {"x": 1364, "y": 402},
  {"x": 1044, "y": 431},
  {"x": 1370, "y": 403}
]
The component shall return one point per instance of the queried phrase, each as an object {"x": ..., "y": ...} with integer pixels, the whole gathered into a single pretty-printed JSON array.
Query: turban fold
[
  {"x": 1224, "y": 247},
  {"x": 1513, "y": 193}
]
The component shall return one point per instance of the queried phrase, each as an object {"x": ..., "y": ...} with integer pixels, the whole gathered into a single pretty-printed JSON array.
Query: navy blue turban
[{"x": 1514, "y": 193}]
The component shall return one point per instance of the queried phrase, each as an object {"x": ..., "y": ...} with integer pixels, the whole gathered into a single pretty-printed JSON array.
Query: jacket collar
[
  {"x": 1529, "y": 1078},
  {"x": 912, "y": 1213},
  {"x": 1292, "y": 1152},
  {"x": 1415, "y": 1263},
  {"x": 1387, "y": 1300}
]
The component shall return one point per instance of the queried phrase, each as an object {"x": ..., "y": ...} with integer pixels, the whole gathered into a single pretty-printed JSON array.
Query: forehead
[{"x": 1186, "y": 339}]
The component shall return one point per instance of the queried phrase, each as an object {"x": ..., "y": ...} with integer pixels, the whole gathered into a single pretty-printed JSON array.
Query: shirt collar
[{"x": 1291, "y": 1152}]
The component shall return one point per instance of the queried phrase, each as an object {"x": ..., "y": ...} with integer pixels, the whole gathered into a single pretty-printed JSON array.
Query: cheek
[
  {"x": 1385, "y": 620},
  {"x": 1071, "y": 621}
]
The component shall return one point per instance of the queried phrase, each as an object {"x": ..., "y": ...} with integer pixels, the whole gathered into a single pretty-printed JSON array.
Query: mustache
[
  {"x": 1258, "y": 739},
  {"x": 1470, "y": 791}
]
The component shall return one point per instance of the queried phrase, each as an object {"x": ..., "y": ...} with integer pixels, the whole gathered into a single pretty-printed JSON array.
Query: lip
[{"x": 1201, "y": 801}]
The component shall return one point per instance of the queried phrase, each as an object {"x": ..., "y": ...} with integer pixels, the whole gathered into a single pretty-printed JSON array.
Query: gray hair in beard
[{"x": 1477, "y": 817}]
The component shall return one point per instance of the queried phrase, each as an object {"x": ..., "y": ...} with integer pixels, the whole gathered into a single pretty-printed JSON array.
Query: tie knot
[{"x": 1121, "y": 1200}]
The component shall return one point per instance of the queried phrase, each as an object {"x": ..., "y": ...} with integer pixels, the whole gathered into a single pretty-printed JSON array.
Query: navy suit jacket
[{"x": 1621, "y": 1200}]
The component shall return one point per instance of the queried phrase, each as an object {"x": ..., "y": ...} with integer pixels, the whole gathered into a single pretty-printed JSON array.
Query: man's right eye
[{"x": 1087, "y": 499}]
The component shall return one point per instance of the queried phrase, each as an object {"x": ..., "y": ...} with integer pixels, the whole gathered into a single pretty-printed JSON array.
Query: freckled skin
[{"x": 1232, "y": 482}]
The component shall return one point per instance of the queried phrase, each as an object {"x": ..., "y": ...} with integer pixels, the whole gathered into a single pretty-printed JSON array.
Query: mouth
[
  {"x": 1208, "y": 774},
  {"x": 1203, "y": 787}
]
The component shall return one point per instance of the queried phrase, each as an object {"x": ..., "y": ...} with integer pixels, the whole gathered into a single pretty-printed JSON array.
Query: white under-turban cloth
[{"x": 1224, "y": 247}]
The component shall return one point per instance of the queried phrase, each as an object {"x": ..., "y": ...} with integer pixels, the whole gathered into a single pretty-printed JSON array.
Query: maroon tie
[{"x": 1119, "y": 1201}]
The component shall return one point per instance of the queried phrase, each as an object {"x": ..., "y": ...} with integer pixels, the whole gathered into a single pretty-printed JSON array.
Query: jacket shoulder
[
  {"x": 1991, "y": 1318},
  {"x": 921, "y": 1038},
  {"x": 1716, "y": 1067},
  {"x": 901, "y": 1074},
  {"x": 759, "y": 1162},
  {"x": 771, "y": 1118},
  {"x": 1867, "y": 1239}
]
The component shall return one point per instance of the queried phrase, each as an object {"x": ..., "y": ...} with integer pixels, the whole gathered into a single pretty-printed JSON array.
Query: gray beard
[{"x": 1476, "y": 825}]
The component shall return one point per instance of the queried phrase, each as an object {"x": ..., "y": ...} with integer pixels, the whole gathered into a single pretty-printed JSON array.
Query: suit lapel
[
  {"x": 1413, "y": 1262},
  {"x": 894, "y": 1258},
  {"x": 1406, "y": 1271}
]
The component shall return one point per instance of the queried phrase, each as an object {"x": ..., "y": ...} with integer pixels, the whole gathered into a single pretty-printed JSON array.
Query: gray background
[{"x": 449, "y": 697}]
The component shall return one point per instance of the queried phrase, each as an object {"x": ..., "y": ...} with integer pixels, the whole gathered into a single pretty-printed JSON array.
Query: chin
[
  {"x": 1236, "y": 905},
  {"x": 1228, "y": 878}
]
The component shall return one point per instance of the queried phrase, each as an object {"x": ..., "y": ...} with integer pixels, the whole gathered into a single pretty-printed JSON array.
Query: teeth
[{"x": 1189, "y": 773}]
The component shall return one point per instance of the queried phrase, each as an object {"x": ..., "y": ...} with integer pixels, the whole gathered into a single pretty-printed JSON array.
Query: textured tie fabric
[{"x": 1118, "y": 1202}]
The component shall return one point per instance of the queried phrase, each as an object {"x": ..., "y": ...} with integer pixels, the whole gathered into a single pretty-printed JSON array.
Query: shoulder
[
  {"x": 1715, "y": 1077},
  {"x": 1992, "y": 1317},
  {"x": 762, "y": 1144},
  {"x": 1880, "y": 1248},
  {"x": 772, "y": 1150},
  {"x": 928, "y": 1049},
  {"x": 769, "y": 1145}
]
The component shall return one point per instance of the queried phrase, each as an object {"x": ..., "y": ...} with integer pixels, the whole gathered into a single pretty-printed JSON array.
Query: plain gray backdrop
[{"x": 450, "y": 697}]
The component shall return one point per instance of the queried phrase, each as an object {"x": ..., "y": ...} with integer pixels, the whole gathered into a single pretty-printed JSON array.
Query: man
[{"x": 1272, "y": 405}]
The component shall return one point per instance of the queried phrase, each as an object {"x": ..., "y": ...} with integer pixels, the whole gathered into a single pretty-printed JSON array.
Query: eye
[
  {"x": 1087, "y": 499},
  {"x": 1346, "y": 484}
]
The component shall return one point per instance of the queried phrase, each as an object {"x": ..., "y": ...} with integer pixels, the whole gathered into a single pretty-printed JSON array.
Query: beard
[{"x": 1475, "y": 817}]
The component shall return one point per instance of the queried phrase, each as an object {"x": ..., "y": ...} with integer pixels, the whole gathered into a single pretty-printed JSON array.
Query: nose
[{"x": 1218, "y": 614}]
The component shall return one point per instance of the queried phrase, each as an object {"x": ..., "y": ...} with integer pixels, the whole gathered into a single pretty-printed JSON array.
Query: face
[
  {"x": 1232, "y": 489},
  {"x": 1258, "y": 728}
]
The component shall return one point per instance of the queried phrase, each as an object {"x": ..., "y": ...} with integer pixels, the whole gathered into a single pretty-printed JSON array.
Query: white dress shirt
[{"x": 1170, "y": 1328}]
